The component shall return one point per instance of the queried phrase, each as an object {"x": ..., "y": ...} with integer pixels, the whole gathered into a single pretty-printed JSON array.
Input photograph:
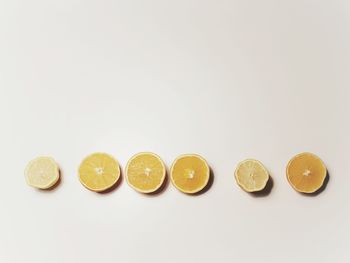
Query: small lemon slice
[
  {"x": 251, "y": 175},
  {"x": 306, "y": 172},
  {"x": 99, "y": 172},
  {"x": 190, "y": 173},
  {"x": 42, "y": 173},
  {"x": 145, "y": 172}
]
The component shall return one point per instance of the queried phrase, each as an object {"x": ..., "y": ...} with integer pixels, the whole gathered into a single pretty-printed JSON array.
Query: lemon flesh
[
  {"x": 251, "y": 175},
  {"x": 190, "y": 173},
  {"x": 306, "y": 172},
  {"x": 42, "y": 173},
  {"x": 145, "y": 172},
  {"x": 99, "y": 172}
]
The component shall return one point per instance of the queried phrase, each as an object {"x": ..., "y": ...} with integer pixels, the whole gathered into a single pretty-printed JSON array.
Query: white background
[{"x": 225, "y": 79}]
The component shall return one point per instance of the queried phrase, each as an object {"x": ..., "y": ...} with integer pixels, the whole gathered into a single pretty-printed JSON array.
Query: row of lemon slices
[{"x": 145, "y": 172}]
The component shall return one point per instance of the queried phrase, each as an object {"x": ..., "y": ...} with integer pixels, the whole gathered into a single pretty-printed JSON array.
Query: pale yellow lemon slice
[
  {"x": 190, "y": 173},
  {"x": 42, "y": 173},
  {"x": 99, "y": 172},
  {"x": 306, "y": 172},
  {"x": 251, "y": 175},
  {"x": 145, "y": 172}
]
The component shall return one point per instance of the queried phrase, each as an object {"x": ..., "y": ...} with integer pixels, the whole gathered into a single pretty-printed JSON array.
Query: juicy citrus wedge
[
  {"x": 190, "y": 173},
  {"x": 145, "y": 172},
  {"x": 251, "y": 175},
  {"x": 99, "y": 172},
  {"x": 306, "y": 172},
  {"x": 42, "y": 173}
]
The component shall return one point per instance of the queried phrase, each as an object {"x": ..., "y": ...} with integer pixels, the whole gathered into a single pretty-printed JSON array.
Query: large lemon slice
[
  {"x": 306, "y": 172},
  {"x": 145, "y": 172},
  {"x": 42, "y": 173},
  {"x": 190, "y": 173},
  {"x": 99, "y": 172},
  {"x": 251, "y": 175}
]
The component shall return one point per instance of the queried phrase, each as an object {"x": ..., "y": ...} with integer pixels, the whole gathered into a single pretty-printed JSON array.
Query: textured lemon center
[
  {"x": 307, "y": 172},
  {"x": 190, "y": 174},
  {"x": 148, "y": 171},
  {"x": 99, "y": 170}
]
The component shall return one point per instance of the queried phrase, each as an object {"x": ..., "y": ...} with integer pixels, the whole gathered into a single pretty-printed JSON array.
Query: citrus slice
[
  {"x": 251, "y": 175},
  {"x": 190, "y": 173},
  {"x": 99, "y": 172},
  {"x": 145, "y": 172},
  {"x": 306, "y": 172},
  {"x": 42, "y": 173}
]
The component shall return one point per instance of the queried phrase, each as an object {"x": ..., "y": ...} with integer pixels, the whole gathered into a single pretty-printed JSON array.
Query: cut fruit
[
  {"x": 99, "y": 172},
  {"x": 42, "y": 173},
  {"x": 306, "y": 172},
  {"x": 145, "y": 172},
  {"x": 190, "y": 173},
  {"x": 251, "y": 175}
]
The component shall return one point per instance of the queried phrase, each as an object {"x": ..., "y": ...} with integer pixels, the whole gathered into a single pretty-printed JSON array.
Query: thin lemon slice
[
  {"x": 145, "y": 172},
  {"x": 190, "y": 173},
  {"x": 251, "y": 175},
  {"x": 42, "y": 173},
  {"x": 99, "y": 172},
  {"x": 306, "y": 172}
]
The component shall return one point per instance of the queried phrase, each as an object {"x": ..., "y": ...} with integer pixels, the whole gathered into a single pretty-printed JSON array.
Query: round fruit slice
[
  {"x": 251, "y": 175},
  {"x": 42, "y": 173},
  {"x": 306, "y": 172},
  {"x": 99, "y": 172},
  {"x": 190, "y": 173},
  {"x": 145, "y": 172}
]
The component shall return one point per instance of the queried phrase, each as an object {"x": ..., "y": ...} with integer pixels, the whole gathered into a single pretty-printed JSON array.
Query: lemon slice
[
  {"x": 251, "y": 175},
  {"x": 145, "y": 172},
  {"x": 190, "y": 173},
  {"x": 42, "y": 173},
  {"x": 306, "y": 172},
  {"x": 99, "y": 172}
]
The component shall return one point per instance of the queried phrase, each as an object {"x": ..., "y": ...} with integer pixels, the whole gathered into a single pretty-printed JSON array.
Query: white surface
[{"x": 225, "y": 79}]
